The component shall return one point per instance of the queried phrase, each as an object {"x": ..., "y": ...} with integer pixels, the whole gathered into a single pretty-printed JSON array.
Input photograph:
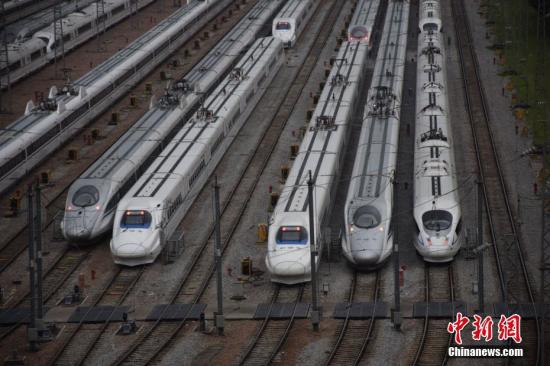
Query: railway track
[
  {"x": 13, "y": 247},
  {"x": 154, "y": 340},
  {"x": 513, "y": 275},
  {"x": 434, "y": 341},
  {"x": 272, "y": 333},
  {"x": 354, "y": 334},
  {"x": 53, "y": 280},
  {"x": 80, "y": 338}
]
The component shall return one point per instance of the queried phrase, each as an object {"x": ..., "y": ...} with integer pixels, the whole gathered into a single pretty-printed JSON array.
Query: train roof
[
  {"x": 123, "y": 150},
  {"x": 377, "y": 152},
  {"x": 365, "y": 13},
  {"x": 327, "y": 125},
  {"x": 156, "y": 179},
  {"x": 292, "y": 8},
  {"x": 137, "y": 45},
  {"x": 22, "y": 124}
]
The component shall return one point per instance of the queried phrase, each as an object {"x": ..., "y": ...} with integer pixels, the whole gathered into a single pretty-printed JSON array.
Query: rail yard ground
[{"x": 247, "y": 174}]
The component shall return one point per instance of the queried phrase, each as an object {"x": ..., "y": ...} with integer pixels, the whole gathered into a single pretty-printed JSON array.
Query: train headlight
[
  {"x": 381, "y": 228},
  {"x": 97, "y": 207},
  {"x": 69, "y": 208},
  {"x": 351, "y": 229}
]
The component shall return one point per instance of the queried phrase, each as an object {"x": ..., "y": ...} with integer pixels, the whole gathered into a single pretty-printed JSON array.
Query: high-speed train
[
  {"x": 367, "y": 238},
  {"x": 321, "y": 155},
  {"x": 363, "y": 21},
  {"x": 48, "y": 125},
  {"x": 153, "y": 208},
  {"x": 292, "y": 19},
  {"x": 92, "y": 198},
  {"x": 29, "y": 52},
  {"x": 436, "y": 201}
]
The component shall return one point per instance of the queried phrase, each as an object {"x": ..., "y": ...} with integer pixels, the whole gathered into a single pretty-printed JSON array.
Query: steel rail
[
  {"x": 73, "y": 340},
  {"x": 434, "y": 340},
  {"x": 254, "y": 353},
  {"x": 348, "y": 349}
]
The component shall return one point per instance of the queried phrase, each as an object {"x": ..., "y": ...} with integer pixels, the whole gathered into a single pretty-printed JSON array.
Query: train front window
[
  {"x": 359, "y": 33},
  {"x": 430, "y": 27},
  {"x": 292, "y": 235},
  {"x": 137, "y": 219},
  {"x": 282, "y": 26},
  {"x": 366, "y": 217},
  {"x": 86, "y": 196},
  {"x": 437, "y": 220}
]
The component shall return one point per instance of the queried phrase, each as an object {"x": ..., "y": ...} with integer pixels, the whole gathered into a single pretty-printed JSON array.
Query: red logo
[
  {"x": 457, "y": 326},
  {"x": 508, "y": 328}
]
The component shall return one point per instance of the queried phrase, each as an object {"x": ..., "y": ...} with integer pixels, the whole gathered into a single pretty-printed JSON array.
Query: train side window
[
  {"x": 136, "y": 219},
  {"x": 15, "y": 65},
  {"x": 35, "y": 55}
]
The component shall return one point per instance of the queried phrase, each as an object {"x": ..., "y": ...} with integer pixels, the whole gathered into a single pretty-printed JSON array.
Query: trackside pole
[
  {"x": 315, "y": 316},
  {"x": 396, "y": 316},
  {"x": 480, "y": 296},
  {"x": 218, "y": 255},
  {"x": 32, "y": 332}
]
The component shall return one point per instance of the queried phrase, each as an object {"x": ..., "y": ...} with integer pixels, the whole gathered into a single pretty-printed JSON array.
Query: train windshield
[
  {"x": 86, "y": 196},
  {"x": 358, "y": 33},
  {"x": 292, "y": 235},
  {"x": 282, "y": 26},
  {"x": 136, "y": 219},
  {"x": 366, "y": 217},
  {"x": 430, "y": 27},
  {"x": 437, "y": 220}
]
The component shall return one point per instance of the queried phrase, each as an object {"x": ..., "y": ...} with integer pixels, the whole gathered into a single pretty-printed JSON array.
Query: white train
[
  {"x": 92, "y": 198},
  {"x": 30, "y": 52},
  {"x": 292, "y": 19},
  {"x": 47, "y": 126},
  {"x": 321, "y": 153},
  {"x": 151, "y": 211},
  {"x": 430, "y": 16},
  {"x": 436, "y": 201},
  {"x": 362, "y": 22},
  {"x": 368, "y": 236}
]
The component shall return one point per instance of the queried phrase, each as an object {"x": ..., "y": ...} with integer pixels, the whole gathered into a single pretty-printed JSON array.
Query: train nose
[
  {"x": 366, "y": 258},
  {"x": 130, "y": 250},
  {"x": 290, "y": 268},
  {"x": 76, "y": 233}
]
